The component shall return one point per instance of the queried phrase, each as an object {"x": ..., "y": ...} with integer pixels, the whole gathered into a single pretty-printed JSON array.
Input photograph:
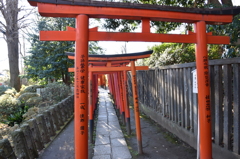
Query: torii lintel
[{"x": 94, "y": 35}]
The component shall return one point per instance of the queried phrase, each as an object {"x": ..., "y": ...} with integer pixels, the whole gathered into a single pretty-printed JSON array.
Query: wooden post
[
  {"x": 236, "y": 108},
  {"x": 203, "y": 92},
  {"x": 95, "y": 92},
  {"x": 117, "y": 97},
  {"x": 136, "y": 107},
  {"x": 113, "y": 88},
  {"x": 91, "y": 121},
  {"x": 81, "y": 88},
  {"x": 126, "y": 104},
  {"x": 109, "y": 83},
  {"x": 121, "y": 98},
  {"x": 111, "y": 79}
]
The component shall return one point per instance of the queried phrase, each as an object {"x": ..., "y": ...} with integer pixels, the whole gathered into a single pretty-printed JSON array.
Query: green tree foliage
[
  {"x": 47, "y": 60},
  {"x": 170, "y": 53},
  {"x": 232, "y": 30},
  {"x": 124, "y": 25},
  {"x": 177, "y": 53}
]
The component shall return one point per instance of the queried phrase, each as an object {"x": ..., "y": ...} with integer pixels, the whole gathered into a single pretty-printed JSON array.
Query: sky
[{"x": 109, "y": 47}]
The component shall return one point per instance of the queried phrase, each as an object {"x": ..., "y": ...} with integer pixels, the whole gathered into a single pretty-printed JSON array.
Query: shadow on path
[{"x": 157, "y": 142}]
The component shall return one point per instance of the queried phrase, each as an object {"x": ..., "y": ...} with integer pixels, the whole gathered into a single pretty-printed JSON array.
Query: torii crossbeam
[{"x": 83, "y": 10}]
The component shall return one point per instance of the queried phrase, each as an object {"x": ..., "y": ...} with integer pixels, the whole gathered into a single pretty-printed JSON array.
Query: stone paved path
[{"x": 110, "y": 142}]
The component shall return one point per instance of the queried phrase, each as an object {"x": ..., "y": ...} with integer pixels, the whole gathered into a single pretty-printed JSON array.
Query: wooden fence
[{"x": 168, "y": 93}]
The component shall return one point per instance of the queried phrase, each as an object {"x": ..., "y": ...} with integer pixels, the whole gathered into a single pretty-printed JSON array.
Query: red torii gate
[
  {"x": 82, "y": 11},
  {"x": 111, "y": 64}
]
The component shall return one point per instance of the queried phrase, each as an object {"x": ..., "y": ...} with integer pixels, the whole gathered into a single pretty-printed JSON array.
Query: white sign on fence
[{"x": 195, "y": 84}]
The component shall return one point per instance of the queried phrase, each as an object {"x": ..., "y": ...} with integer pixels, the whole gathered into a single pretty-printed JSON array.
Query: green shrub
[
  {"x": 6, "y": 90},
  {"x": 34, "y": 101},
  {"x": 11, "y": 91},
  {"x": 16, "y": 117},
  {"x": 8, "y": 105},
  {"x": 55, "y": 92},
  {"x": 31, "y": 113},
  {"x": 32, "y": 89},
  {"x": 25, "y": 96}
]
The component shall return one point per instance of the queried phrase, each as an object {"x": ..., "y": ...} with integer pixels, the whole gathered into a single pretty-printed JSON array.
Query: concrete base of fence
[{"x": 183, "y": 134}]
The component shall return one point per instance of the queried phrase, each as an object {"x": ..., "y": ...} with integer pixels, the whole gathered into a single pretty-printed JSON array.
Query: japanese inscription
[
  {"x": 206, "y": 81},
  {"x": 206, "y": 77},
  {"x": 136, "y": 93}
]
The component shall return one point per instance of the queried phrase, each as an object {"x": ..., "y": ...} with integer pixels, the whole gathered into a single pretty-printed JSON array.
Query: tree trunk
[
  {"x": 11, "y": 17},
  {"x": 66, "y": 78},
  {"x": 13, "y": 63}
]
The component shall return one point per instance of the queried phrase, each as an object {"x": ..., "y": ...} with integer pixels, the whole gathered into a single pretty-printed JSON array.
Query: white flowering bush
[
  {"x": 8, "y": 105},
  {"x": 7, "y": 90},
  {"x": 26, "y": 96},
  {"x": 55, "y": 92}
]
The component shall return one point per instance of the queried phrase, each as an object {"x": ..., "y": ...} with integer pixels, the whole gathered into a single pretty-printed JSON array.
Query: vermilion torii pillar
[
  {"x": 204, "y": 91},
  {"x": 91, "y": 113},
  {"x": 136, "y": 106},
  {"x": 127, "y": 111},
  {"x": 81, "y": 88},
  {"x": 84, "y": 10}
]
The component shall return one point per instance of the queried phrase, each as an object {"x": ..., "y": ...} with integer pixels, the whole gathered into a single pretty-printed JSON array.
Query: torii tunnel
[
  {"x": 83, "y": 10},
  {"x": 115, "y": 67}
]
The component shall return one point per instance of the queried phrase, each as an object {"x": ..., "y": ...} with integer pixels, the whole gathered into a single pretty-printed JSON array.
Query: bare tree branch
[
  {"x": 2, "y": 25},
  {"x": 2, "y": 8},
  {"x": 28, "y": 14},
  {"x": 2, "y": 31},
  {"x": 20, "y": 50}
]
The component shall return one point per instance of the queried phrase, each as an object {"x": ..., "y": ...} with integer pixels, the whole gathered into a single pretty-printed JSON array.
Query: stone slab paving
[{"x": 110, "y": 142}]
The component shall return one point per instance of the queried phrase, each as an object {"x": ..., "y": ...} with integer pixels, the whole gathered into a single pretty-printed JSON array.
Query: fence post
[
  {"x": 6, "y": 149},
  {"x": 42, "y": 128},
  {"x": 49, "y": 123},
  {"x": 32, "y": 150},
  {"x": 20, "y": 144},
  {"x": 236, "y": 108},
  {"x": 56, "y": 123},
  {"x": 36, "y": 134}
]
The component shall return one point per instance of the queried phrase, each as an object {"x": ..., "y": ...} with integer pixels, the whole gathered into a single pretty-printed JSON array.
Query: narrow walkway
[
  {"x": 62, "y": 147},
  {"x": 110, "y": 142}
]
